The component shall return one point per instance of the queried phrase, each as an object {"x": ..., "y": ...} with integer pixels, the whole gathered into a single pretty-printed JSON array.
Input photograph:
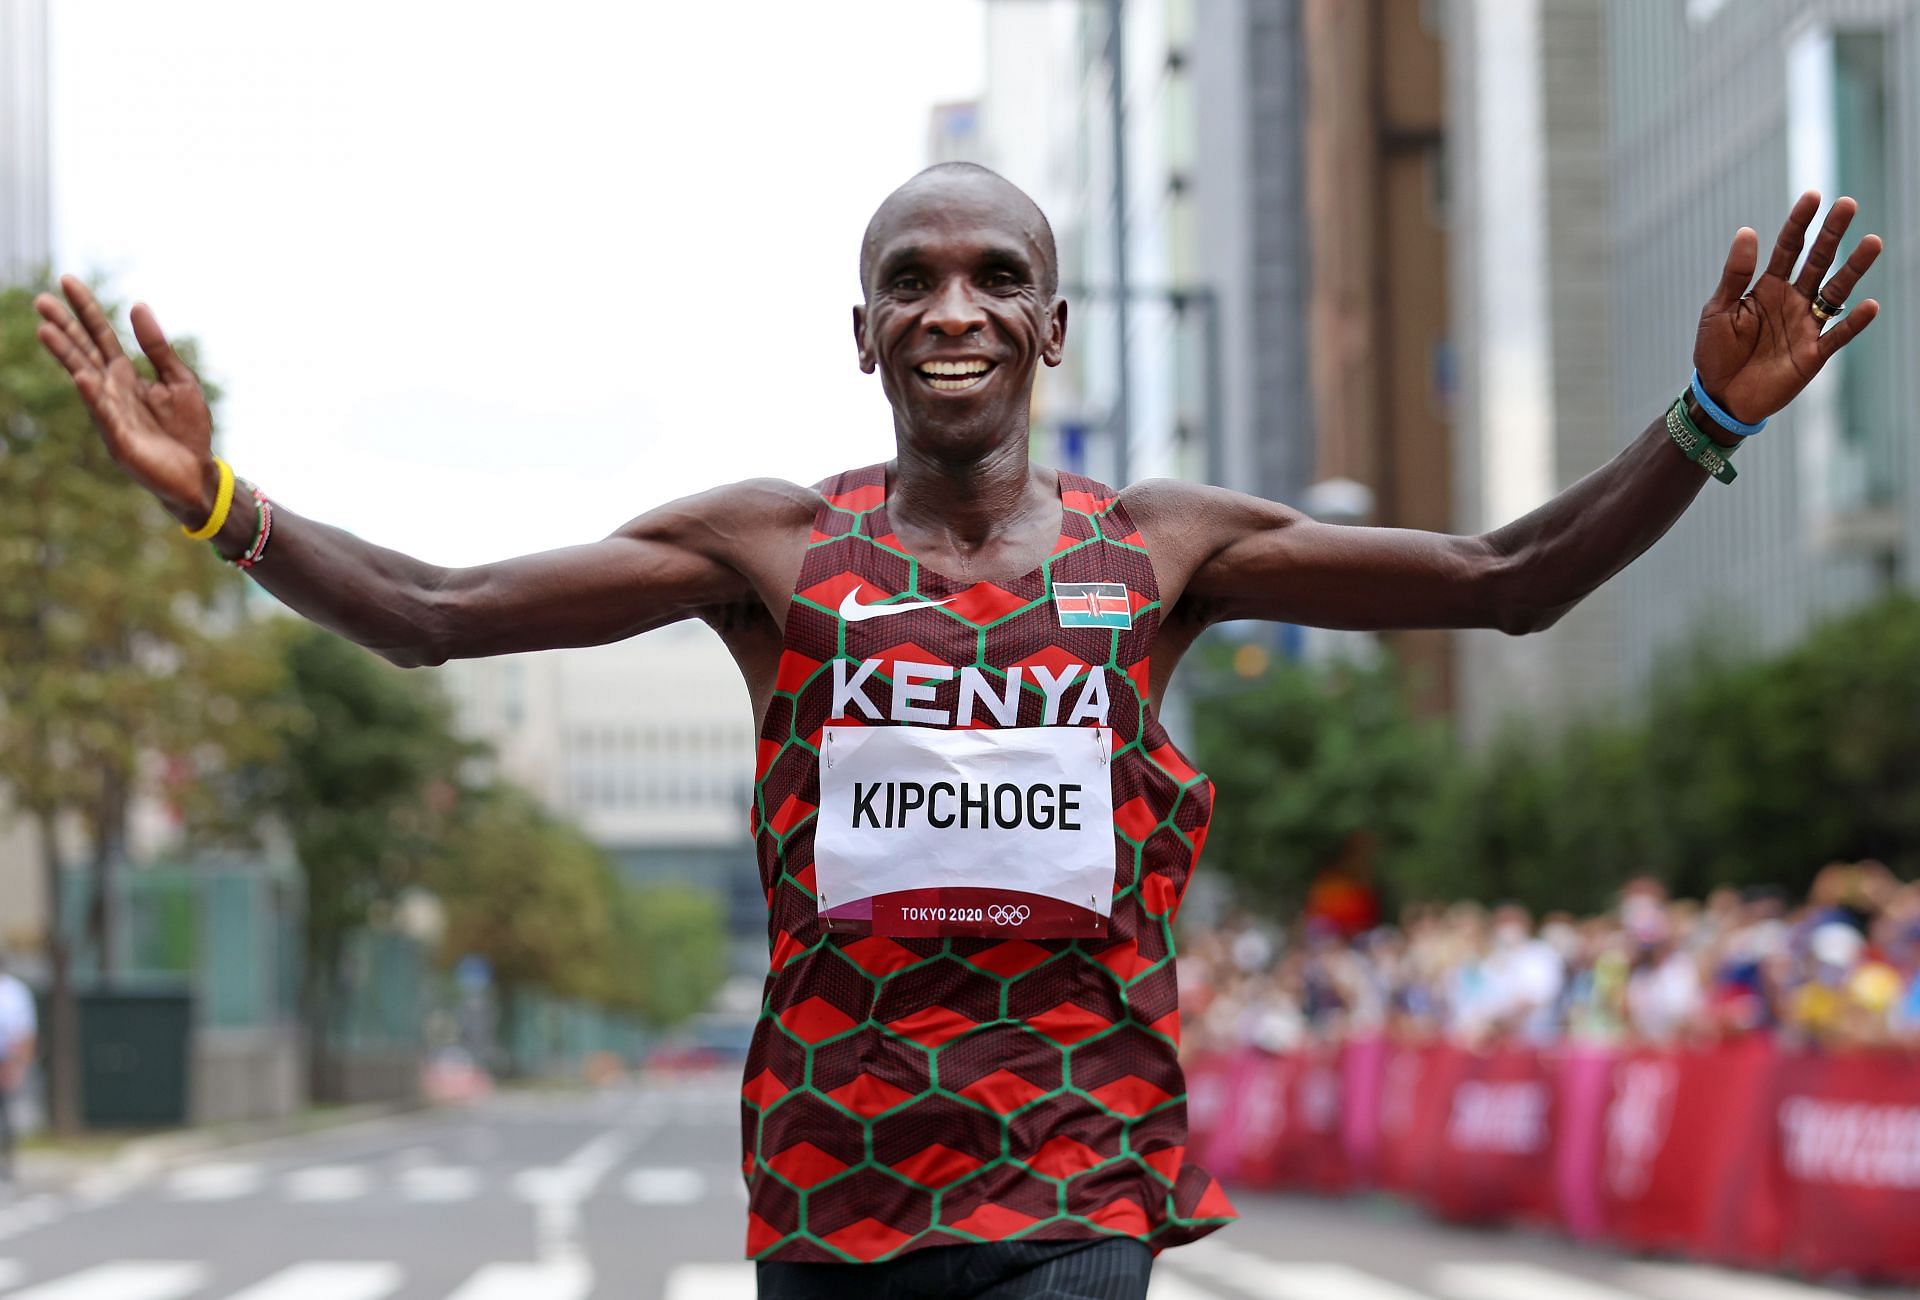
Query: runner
[{"x": 972, "y": 830}]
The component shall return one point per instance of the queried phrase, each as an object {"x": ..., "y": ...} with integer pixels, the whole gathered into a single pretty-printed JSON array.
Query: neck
[{"x": 972, "y": 501}]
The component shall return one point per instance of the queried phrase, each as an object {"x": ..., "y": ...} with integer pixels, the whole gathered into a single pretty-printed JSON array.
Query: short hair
[{"x": 1049, "y": 273}]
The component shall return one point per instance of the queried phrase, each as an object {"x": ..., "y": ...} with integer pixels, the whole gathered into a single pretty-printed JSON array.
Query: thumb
[
  {"x": 1742, "y": 260},
  {"x": 166, "y": 363}
]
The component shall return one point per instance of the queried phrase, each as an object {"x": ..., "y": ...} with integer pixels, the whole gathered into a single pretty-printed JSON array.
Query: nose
[{"x": 953, "y": 310}]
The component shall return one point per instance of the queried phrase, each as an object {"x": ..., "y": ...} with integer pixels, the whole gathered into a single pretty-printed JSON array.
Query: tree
[
  {"x": 367, "y": 782},
  {"x": 1303, "y": 759},
  {"x": 106, "y": 659}
]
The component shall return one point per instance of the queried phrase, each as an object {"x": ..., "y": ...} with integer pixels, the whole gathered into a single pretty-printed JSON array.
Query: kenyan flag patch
[{"x": 1093, "y": 604}]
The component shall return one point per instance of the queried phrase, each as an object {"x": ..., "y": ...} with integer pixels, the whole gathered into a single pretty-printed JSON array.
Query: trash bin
[{"x": 134, "y": 1047}]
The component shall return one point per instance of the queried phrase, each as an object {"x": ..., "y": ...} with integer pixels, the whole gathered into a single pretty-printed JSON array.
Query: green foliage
[
  {"x": 105, "y": 652},
  {"x": 547, "y": 909},
  {"x": 1737, "y": 773},
  {"x": 1301, "y": 759},
  {"x": 368, "y": 777}
]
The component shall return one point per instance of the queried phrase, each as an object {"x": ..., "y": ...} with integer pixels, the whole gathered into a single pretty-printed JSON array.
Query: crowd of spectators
[{"x": 1841, "y": 965}]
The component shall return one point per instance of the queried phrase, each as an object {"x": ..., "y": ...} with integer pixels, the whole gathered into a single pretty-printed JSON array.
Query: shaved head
[{"x": 963, "y": 180}]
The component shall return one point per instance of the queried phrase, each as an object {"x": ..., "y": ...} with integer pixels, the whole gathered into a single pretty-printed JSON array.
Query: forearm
[
  {"x": 1562, "y": 551},
  {"x": 379, "y": 598}
]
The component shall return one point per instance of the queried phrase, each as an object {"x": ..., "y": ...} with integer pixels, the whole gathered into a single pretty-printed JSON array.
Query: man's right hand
[{"x": 159, "y": 430}]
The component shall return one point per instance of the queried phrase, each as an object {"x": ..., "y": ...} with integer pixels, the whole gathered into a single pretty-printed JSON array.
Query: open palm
[
  {"x": 1758, "y": 346},
  {"x": 159, "y": 430}
]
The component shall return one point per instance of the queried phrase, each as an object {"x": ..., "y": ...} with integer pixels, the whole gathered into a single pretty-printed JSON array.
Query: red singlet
[{"x": 937, "y": 1064}]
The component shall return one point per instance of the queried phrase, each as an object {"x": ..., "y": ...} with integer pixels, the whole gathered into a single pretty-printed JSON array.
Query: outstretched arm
[
  {"x": 1757, "y": 347},
  {"x": 669, "y": 564}
]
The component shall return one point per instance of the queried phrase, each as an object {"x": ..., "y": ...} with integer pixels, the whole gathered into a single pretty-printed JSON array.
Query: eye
[
  {"x": 1002, "y": 280},
  {"x": 907, "y": 284}
]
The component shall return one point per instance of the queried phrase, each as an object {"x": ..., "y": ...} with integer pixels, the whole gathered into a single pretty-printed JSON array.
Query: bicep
[{"x": 1273, "y": 562}]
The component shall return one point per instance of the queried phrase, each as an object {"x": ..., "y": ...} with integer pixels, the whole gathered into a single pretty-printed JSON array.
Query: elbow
[
  {"x": 1514, "y": 603},
  {"x": 426, "y": 627}
]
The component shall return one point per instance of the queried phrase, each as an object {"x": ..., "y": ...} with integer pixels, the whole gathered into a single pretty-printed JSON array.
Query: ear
[
  {"x": 867, "y": 359},
  {"x": 1056, "y": 343}
]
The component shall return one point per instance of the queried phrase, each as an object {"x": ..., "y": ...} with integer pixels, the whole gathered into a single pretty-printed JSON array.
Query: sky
[{"x": 483, "y": 279}]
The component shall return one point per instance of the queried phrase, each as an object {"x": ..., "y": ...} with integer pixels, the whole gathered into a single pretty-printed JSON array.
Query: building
[
  {"x": 25, "y": 239},
  {"x": 647, "y": 745},
  {"x": 1527, "y": 180},
  {"x": 1279, "y": 274},
  {"x": 1718, "y": 114}
]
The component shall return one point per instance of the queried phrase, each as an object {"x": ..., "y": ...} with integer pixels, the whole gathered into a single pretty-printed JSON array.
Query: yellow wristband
[{"x": 222, "y": 503}]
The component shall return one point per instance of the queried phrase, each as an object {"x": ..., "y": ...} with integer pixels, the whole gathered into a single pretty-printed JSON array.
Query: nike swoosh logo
[{"x": 854, "y": 612}]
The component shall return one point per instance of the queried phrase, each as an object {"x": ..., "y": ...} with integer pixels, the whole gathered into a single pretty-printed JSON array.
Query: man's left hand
[{"x": 1758, "y": 347}]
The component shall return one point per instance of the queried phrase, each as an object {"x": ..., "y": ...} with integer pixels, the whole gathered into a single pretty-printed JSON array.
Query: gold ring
[{"x": 1822, "y": 308}]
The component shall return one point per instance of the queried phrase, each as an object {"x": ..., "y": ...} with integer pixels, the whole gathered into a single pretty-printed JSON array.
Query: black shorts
[{"x": 1110, "y": 1268}]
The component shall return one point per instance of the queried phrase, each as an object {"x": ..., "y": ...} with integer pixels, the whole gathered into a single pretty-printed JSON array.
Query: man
[
  {"x": 19, "y": 1029},
  {"x": 972, "y": 832}
]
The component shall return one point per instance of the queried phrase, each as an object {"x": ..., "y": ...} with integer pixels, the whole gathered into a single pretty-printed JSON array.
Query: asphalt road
[{"x": 633, "y": 1194}]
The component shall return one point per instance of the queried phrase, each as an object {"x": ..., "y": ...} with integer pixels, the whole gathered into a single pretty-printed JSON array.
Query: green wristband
[{"x": 1698, "y": 447}]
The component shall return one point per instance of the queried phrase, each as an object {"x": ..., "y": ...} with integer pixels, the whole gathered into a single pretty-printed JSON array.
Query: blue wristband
[{"x": 1720, "y": 417}]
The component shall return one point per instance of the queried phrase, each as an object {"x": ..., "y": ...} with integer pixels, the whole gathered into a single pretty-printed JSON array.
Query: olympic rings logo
[{"x": 1002, "y": 914}]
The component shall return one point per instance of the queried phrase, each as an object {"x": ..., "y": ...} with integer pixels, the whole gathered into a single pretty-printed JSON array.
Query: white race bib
[{"x": 1000, "y": 830}]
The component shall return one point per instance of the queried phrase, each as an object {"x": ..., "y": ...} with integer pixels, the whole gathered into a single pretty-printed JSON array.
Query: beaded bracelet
[
  {"x": 1699, "y": 448},
  {"x": 262, "y": 530}
]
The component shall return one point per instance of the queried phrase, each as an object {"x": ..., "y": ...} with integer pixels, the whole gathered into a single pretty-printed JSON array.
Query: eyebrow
[{"x": 1006, "y": 255}]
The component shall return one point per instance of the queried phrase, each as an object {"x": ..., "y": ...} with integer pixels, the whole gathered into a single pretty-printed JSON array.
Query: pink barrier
[{"x": 1737, "y": 1152}]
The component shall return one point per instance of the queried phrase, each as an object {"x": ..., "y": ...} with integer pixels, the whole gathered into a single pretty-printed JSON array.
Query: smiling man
[{"x": 973, "y": 832}]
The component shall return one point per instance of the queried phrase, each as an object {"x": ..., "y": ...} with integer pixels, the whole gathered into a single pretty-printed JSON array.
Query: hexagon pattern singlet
[{"x": 903, "y": 1093}]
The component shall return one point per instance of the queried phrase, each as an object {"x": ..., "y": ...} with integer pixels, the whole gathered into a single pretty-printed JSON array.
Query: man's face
[{"x": 960, "y": 310}]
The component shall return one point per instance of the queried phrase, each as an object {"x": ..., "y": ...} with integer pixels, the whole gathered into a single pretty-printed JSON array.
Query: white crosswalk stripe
[
  {"x": 1268, "y": 1279},
  {"x": 439, "y": 1184},
  {"x": 561, "y": 1280},
  {"x": 327, "y": 1280},
  {"x": 126, "y": 1280},
  {"x": 665, "y": 1186},
  {"x": 328, "y": 1183},
  {"x": 1692, "y": 1282},
  {"x": 1508, "y": 1281},
  {"x": 711, "y": 1282},
  {"x": 213, "y": 1182},
  {"x": 1171, "y": 1286},
  {"x": 11, "y": 1274}
]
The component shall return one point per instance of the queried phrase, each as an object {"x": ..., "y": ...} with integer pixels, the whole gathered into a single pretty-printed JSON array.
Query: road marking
[
  {"x": 1171, "y": 1286},
  {"x": 1695, "y": 1282},
  {"x": 666, "y": 1186},
  {"x": 1504, "y": 1281},
  {"x": 327, "y": 1183},
  {"x": 439, "y": 1183},
  {"x": 133, "y": 1279},
  {"x": 216, "y": 1182},
  {"x": 330, "y": 1280},
  {"x": 10, "y": 1273},
  {"x": 562, "y": 1280},
  {"x": 711, "y": 1282},
  {"x": 556, "y": 1192},
  {"x": 1271, "y": 1279}
]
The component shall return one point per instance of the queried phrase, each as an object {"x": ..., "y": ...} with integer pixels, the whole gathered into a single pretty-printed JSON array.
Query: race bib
[{"x": 990, "y": 831}]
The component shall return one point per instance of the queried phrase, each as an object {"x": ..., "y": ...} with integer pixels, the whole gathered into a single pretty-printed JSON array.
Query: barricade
[{"x": 1738, "y": 1152}]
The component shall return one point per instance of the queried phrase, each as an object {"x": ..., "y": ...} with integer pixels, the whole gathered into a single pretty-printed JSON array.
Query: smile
[{"x": 954, "y": 376}]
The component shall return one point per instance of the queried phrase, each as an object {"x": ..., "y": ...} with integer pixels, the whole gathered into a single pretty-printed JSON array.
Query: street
[{"x": 633, "y": 1193}]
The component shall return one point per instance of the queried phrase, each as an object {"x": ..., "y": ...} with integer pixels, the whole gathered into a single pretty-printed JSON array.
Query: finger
[
  {"x": 166, "y": 363},
  {"x": 64, "y": 350},
  {"x": 55, "y": 313},
  {"x": 1826, "y": 245},
  {"x": 1835, "y": 291},
  {"x": 99, "y": 328},
  {"x": 1786, "y": 249},
  {"x": 1847, "y": 329},
  {"x": 1738, "y": 272}
]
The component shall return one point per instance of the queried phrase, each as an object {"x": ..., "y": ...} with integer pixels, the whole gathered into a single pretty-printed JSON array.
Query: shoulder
[
  {"x": 1200, "y": 517},
  {"x": 751, "y": 510}
]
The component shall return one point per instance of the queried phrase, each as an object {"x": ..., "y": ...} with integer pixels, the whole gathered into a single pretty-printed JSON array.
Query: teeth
[
  {"x": 953, "y": 368},
  {"x": 954, "y": 385}
]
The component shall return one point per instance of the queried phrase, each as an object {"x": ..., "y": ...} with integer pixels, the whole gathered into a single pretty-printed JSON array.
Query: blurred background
[{"x": 375, "y": 962}]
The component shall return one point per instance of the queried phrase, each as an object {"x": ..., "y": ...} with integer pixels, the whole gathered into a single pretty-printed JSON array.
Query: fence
[{"x": 1741, "y": 1153}]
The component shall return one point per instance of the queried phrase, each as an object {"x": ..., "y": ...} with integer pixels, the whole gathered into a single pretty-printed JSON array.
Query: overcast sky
[{"x": 485, "y": 279}]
